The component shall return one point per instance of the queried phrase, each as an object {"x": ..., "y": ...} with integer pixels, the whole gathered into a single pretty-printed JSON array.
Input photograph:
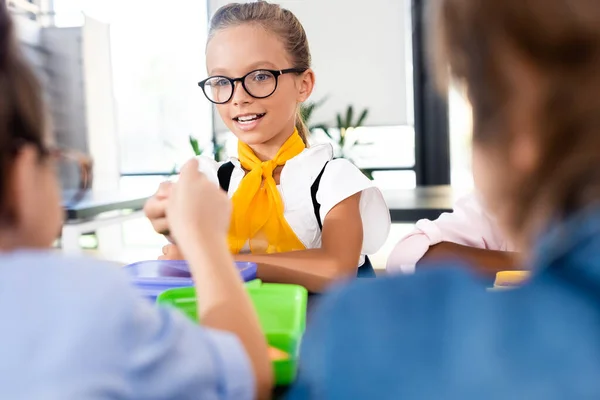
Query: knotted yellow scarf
[{"x": 257, "y": 206}]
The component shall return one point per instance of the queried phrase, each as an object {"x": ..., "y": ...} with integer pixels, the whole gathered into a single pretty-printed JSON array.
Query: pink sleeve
[{"x": 468, "y": 225}]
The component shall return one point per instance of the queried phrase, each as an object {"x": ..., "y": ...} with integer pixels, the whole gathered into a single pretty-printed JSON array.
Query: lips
[{"x": 248, "y": 118}]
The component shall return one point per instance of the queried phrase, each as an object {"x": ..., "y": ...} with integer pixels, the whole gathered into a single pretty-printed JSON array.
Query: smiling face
[{"x": 264, "y": 124}]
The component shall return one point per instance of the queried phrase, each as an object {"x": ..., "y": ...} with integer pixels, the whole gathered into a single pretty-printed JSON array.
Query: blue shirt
[
  {"x": 440, "y": 335},
  {"x": 75, "y": 329}
]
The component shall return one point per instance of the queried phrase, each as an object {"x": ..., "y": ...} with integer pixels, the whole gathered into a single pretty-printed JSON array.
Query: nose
[{"x": 240, "y": 96}]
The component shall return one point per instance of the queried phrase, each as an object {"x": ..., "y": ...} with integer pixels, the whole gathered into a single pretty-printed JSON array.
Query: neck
[
  {"x": 265, "y": 151},
  {"x": 13, "y": 240},
  {"x": 268, "y": 150}
]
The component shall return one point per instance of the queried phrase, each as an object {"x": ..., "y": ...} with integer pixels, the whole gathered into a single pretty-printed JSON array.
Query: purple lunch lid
[{"x": 155, "y": 276}]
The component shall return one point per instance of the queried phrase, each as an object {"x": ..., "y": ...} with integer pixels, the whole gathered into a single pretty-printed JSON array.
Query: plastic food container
[
  {"x": 281, "y": 309},
  {"x": 156, "y": 276}
]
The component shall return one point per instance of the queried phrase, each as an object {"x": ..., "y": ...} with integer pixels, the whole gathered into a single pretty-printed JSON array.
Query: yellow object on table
[{"x": 510, "y": 279}]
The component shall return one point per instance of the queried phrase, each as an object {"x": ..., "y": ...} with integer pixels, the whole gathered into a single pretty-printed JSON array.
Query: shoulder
[
  {"x": 307, "y": 165},
  {"x": 71, "y": 300},
  {"x": 429, "y": 288},
  {"x": 471, "y": 206},
  {"x": 468, "y": 224},
  {"x": 441, "y": 323},
  {"x": 341, "y": 179},
  {"x": 473, "y": 216},
  {"x": 82, "y": 288},
  {"x": 342, "y": 165},
  {"x": 96, "y": 325},
  {"x": 396, "y": 314},
  {"x": 50, "y": 266},
  {"x": 393, "y": 326}
]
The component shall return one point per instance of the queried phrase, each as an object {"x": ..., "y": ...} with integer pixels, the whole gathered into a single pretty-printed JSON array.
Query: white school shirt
[
  {"x": 340, "y": 180},
  {"x": 469, "y": 225}
]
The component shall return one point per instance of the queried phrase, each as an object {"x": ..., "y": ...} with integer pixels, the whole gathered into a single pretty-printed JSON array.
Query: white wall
[
  {"x": 158, "y": 58},
  {"x": 157, "y": 54},
  {"x": 359, "y": 56},
  {"x": 100, "y": 106},
  {"x": 26, "y": 30}
]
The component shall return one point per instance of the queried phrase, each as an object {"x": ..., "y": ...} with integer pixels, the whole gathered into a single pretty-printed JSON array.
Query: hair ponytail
[{"x": 302, "y": 128}]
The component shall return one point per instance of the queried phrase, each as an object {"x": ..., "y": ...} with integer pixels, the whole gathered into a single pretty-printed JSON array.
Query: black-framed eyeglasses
[{"x": 260, "y": 84}]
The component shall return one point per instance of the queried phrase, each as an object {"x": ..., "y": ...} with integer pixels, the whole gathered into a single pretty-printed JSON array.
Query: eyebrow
[{"x": 251, "y": 67}]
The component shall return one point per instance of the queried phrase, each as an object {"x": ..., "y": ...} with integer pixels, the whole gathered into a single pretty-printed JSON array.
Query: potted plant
[
  {"x": 346, "y": 123},
  {"x": 217, "y": 151}
]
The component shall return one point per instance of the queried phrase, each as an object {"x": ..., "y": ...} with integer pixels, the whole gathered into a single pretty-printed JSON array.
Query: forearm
[
  {"x": 224, "y": 304},
  {"x": 485, "y": 262},
  {"x": 315, "y": 269}
]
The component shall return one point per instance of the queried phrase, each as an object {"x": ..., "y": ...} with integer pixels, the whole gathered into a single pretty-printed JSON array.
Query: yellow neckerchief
[{"x": 257, "y": 205}]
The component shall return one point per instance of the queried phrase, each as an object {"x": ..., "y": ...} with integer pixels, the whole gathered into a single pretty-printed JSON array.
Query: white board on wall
[{"x": 359, "y": 57}]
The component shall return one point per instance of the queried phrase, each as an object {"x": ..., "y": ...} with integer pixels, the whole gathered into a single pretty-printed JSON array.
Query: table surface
[
  {"x": 406, "y": 205},
  {"x": 94, "y": 203},
  {"x": 410, "y": 205}
]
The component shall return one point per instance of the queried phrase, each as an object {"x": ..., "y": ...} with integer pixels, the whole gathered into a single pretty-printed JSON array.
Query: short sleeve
[
  {"x": 342, "y": 179},
  {"x": 407, "y": 253},
  {"x": 469, "y": 225}
]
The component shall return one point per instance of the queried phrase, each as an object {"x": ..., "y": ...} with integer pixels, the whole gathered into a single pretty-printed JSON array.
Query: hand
[
  {"x": 156, "y": 208},
  {"x": 197, "y": 208},
  {"x": 171, "y": 252}
]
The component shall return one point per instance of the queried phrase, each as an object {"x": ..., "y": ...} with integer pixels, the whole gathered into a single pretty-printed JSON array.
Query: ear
[
  {"x": 523, "y": 112},
  {"x": 524, "y": 151},
  {"x": 524, "y": 155},
  {"x": 306, "y": 85}
]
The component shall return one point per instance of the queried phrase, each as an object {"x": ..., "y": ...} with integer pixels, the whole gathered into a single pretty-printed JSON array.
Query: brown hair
[
  {"x": 276, "y": 19},
  {"x": 558, "y": 41},
  {"x": 21, "y": 107}
]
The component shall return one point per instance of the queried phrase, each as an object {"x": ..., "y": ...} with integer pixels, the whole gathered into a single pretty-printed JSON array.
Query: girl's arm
[
  {"x": 315, "y": 269},
  {"x": 469, "y": 232},
  {"x": 485, "y": 262}
]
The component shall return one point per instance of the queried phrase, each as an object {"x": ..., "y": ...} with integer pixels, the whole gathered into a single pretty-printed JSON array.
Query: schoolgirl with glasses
[{"x": 301, "y": 215}]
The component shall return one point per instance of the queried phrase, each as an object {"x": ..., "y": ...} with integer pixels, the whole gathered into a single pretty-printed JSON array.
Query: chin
[{"x": 252, "y": 138}]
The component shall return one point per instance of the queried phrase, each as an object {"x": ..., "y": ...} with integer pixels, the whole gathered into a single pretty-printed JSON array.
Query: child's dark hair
[
  {"x": 21, "y": 106},
  {"x": 273, "y": 18},
  {"x": 558, "y": 43}
]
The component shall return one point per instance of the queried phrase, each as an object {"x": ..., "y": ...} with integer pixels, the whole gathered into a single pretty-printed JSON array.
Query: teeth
[{"x": 249, "y": 118}]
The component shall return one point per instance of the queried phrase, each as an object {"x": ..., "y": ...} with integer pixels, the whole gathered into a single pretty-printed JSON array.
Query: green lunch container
[{"x": 281, "y": 309}]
